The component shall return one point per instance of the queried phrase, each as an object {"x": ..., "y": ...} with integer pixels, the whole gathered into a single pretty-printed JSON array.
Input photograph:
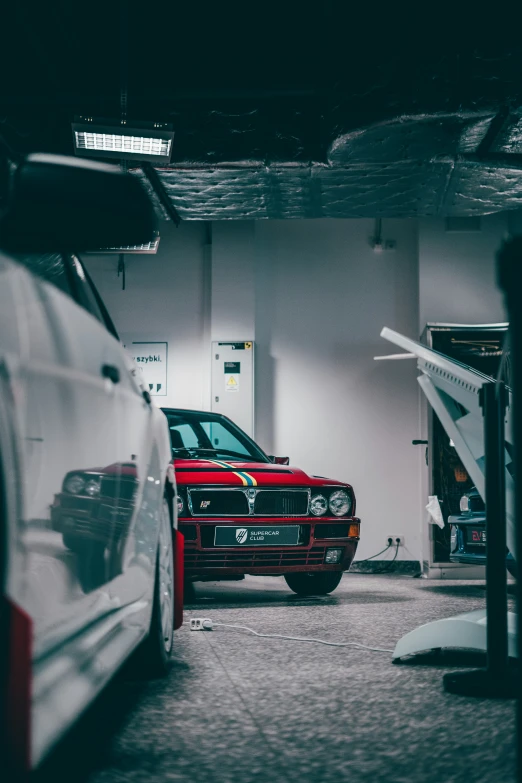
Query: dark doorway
[{"x": 481, "y": 348}]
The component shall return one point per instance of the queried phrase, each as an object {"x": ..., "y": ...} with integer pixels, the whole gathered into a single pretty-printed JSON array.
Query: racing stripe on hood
[{"x": 246, "y": 478}]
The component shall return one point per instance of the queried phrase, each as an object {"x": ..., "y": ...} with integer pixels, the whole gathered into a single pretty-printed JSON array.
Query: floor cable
[
  {"x": 356, "y": 562},
  {"x": 209, "y": 625}
]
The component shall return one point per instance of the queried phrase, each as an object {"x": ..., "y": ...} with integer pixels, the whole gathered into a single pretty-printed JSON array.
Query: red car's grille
[
  {"x": 281, "y": 503},
  {"x": 195, "y": 561},
  {"x": 209, "y": 502}
]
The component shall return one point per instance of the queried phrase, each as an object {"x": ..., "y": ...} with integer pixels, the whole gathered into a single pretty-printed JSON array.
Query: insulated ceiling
[{"x": 295, "y": 111}]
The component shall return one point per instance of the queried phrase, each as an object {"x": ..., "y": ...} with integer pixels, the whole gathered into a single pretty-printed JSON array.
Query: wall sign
[
  {"x": 232, "y": 371},
  {"x": 151, "y": 360}
]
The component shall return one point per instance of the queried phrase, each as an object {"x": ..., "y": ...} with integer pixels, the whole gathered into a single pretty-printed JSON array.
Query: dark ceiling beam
[
  {"x": 499, "y": 160},
  {"x": 159, "y": 189},
  {"x": 495, "y": 127}
]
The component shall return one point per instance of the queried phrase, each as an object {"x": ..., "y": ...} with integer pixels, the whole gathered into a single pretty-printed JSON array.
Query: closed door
[
  {"x": 233, "y": 382},
  {"x": 68, "y": 427}
]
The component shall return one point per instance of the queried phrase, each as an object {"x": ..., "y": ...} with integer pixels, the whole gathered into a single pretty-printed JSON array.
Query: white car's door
[
  {"x": 142, "y": 466},
  {"x": 56, "y": 395}
]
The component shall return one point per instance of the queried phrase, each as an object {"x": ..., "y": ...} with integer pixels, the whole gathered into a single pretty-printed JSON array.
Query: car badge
[
  {"x": 241, "y": 534},
  {"x": 204, "y": 504},
  {"x": 251, "y": 493}
]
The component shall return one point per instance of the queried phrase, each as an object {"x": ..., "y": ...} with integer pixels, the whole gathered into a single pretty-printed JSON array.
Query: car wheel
[
  {"x": 152, "y": 656},
  {"x": 314, "y": 584}
]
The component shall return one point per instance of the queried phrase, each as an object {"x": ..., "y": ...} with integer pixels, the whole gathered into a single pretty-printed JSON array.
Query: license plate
[
  {"x": 476, "y": 537},
  {"x": 257, "y": 535}
]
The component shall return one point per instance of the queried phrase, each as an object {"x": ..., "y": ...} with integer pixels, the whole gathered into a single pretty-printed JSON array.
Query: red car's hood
[{"x": 240, "y": 474}]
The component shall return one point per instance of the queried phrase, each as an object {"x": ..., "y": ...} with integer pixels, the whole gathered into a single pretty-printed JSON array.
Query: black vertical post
[
  {"x": 497, "y": 679},
  {"x": 509, "y": 271},
  {"x": 494, "y": 407}
]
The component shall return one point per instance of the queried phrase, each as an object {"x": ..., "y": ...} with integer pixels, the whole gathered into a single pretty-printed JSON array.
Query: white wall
[
  {"x": 165, "y": 300},
  {"x": 457, "y": 272},
  {"x": 322, "y": 297},
  {"x": 233, "y": 284}
]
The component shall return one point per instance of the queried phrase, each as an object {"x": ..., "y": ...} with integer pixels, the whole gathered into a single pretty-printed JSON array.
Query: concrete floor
[{"x": 237, "y": 708}]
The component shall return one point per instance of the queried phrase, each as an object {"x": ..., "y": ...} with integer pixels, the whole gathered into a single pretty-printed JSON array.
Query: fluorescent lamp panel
[
  {"x": 149, "y": 248},
  {"x": 140, "y": 141},
  {"x": 111, "y": 142}
]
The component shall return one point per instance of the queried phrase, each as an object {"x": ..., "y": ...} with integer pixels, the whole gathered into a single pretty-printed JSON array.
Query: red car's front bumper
[{"x": 204, "y": 560}]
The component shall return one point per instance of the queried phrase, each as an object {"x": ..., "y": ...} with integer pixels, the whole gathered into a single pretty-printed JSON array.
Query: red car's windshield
[{"x": 200, "y": 435}]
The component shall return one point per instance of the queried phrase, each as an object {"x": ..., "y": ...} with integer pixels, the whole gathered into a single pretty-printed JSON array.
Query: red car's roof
[{"x": 227, "y": 473}]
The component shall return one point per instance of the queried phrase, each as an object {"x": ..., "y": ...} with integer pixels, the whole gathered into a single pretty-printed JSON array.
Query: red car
[{"x": 243, "y": 512}]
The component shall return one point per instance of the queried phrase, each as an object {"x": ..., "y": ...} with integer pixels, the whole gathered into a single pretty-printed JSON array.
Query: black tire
[
  {"x": 152, "y": 658},
  {"x": 189, "y": 592},
  {"x": 314, "y": 583},
  {"x": 70, "y": 541},
  {"x": 90, "y": 564}
]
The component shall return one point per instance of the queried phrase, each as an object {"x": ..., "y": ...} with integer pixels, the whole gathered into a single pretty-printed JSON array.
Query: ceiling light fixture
[
  {"x": 149, "y": 248},
  {"x": 95, "y": 137}
]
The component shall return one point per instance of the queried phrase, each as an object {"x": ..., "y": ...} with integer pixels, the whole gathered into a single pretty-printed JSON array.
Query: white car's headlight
[
  {"x": 74, "y": 485},
  {"x": 318, "y": 505},
  {"x": 340, "y": 503}
]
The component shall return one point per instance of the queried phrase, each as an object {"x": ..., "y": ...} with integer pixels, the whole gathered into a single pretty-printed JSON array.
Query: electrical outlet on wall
[{"x": 396, "y": 538}]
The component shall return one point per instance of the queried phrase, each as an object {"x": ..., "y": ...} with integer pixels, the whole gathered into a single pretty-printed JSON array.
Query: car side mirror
[
  {"x": 62, "y": 204},
  {"x": 279, "y": 460}
]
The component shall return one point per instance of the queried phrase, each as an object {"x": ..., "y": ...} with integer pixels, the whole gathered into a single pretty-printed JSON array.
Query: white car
[{"x": 88, "y": 521}]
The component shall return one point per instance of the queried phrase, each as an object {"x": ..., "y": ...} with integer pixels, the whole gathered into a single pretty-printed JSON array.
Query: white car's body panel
[{"x": 90, "y": 604}]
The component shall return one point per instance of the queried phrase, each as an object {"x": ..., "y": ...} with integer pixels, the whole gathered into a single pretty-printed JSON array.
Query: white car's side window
[{"x": 50, "y": 267}]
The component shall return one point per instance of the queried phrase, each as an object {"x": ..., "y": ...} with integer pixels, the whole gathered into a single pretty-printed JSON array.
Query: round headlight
[
  {"x": 318, "y": 505},
  {"x": 93, "y": 487},
  {"x": 340, "y": 503},
  {"x": 74, "y": 485},
  {"x": 181, "y": 505}
]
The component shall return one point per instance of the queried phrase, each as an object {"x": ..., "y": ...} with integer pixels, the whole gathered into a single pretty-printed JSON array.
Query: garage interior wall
[
  {"x": 457, "y": 282},
  {"x": 323, "y": 296},
  {"x": 165, "y": 300},
  {"x": 314, "y": 296}
]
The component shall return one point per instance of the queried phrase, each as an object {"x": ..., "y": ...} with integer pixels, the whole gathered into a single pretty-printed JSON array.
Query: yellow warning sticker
[
  {"x": 248, "y": 346},
  {"x": 232, "y": 382}
]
